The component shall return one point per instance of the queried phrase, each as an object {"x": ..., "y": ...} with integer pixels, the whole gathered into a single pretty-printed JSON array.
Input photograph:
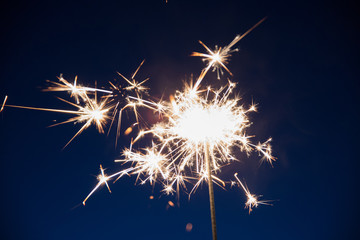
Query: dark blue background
[{"x": 300, "y": 65}]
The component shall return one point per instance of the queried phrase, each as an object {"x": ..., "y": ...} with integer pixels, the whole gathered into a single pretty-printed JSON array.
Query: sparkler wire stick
[{"x": 211, "y": 193}]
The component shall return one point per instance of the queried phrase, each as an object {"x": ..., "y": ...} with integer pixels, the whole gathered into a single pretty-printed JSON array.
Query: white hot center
[{"x": 200, "y": 124}]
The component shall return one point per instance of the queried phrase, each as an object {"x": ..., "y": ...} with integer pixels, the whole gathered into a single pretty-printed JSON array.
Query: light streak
[
  {"x": 103, "y": 179},
  {"x": 92, "y": 112},
  {"x": 4, "y": 102}
]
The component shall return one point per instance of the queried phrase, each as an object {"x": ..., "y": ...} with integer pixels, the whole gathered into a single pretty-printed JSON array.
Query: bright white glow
[
  {"x": 216, "y": 57},
  {"x": 205, "y": 124},
  {"x": 98, "y": 115}
]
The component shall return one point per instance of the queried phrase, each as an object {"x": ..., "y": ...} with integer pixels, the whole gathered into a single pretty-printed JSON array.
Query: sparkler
[
  {"x": 199, "y": 129},
  {"x": 195, "y": 139},
  {"x": 197, "y": 135}
]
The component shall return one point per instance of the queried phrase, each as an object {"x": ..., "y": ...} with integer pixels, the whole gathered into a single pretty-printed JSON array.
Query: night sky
[{"x": 300, "y": 65}]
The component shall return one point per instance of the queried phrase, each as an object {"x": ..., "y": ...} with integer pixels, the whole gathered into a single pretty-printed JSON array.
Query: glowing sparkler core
[
  {"x": 206, "y": 124},
  {"x": 205, "y": 118}
]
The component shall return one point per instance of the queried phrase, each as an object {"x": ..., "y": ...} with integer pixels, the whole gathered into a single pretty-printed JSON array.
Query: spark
[
  {"x": 252, "y": 200},
  {"x": 90, "y": 113},
  {"x": 77, "y": 91},
  {"x": 135, "y": 86},
  {"x": 171, "y": 204},
  {"x": 4, "y": 102},
  {"x": 64, "y": 85},
  {"x": 219, "y": 57},
  {"x": 168, "y": 189},
  {"x": 151, "y": 163},
  {"x": 103, "y": 179},
  {"x": 189, "y": 227}
]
